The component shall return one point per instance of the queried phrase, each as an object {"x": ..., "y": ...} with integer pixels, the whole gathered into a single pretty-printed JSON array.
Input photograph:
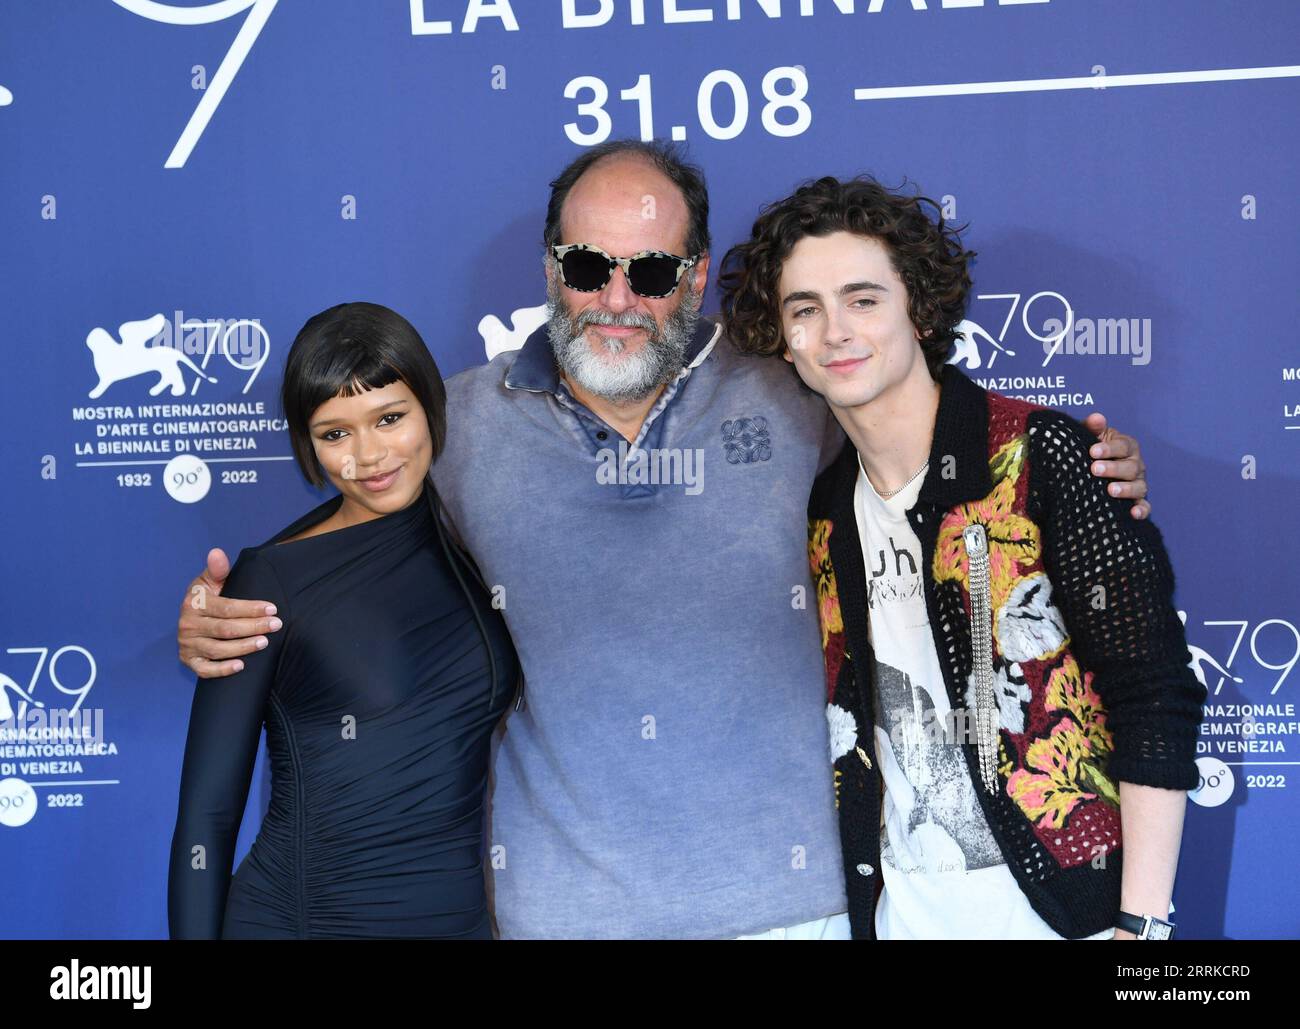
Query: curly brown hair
[{"x": 926, "y": 253}]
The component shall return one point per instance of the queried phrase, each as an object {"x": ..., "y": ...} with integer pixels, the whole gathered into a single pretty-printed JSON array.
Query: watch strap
[{"x": 1138, "y": 925}]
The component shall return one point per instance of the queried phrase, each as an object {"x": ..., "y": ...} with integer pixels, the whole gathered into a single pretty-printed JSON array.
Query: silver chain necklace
[{"x": 895, "y": 492}]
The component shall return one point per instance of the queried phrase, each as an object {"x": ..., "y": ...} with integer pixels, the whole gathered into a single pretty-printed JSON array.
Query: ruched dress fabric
[{"x": 379, "y": 696}]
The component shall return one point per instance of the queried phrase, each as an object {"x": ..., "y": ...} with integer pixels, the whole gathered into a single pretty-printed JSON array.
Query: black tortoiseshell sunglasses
[{"x": 650, "y": 273}]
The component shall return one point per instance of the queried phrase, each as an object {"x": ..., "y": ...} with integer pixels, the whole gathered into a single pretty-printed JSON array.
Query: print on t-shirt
[
  {"x": 933, "y": 822},
  {"x": 934, "y": 806}
]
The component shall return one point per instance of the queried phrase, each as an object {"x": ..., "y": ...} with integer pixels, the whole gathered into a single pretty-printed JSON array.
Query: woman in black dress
[{"x": 380, "y": 694}]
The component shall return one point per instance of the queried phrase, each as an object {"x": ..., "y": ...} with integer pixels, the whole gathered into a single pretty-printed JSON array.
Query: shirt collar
[
  {"x": 959, "y": 460},
  {"x": 534, "y": 368}
]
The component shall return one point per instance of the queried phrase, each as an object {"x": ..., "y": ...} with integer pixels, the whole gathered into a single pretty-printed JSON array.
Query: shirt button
[
  {"x": 602, "y": 435},
  {"x": 865, "y": 869}
]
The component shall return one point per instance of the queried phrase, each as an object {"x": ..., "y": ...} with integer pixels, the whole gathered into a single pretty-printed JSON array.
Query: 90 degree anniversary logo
[
  {"x": 184, "y": 434},
  {"x": 50, "y": 739}
]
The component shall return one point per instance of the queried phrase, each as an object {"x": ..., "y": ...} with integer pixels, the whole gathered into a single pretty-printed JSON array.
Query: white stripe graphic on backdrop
[
  {"x": 1163, "y": 78},
  {"x": 207, "y": 460}
]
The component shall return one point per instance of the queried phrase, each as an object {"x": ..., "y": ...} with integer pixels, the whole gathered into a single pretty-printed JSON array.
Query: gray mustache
[{"x": 626, "y": 320}]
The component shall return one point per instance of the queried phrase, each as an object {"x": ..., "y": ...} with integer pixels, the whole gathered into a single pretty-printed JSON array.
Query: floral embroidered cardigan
[{"x": 1089, "y": 659}]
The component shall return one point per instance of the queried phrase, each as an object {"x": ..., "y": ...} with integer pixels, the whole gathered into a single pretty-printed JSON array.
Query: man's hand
[
  {"x": 214, "y": 630},
  {"x": 1117, "y": 457}
]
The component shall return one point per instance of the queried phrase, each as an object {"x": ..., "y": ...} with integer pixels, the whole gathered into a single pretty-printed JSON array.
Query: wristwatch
[{"x": 1145, "y": 927}]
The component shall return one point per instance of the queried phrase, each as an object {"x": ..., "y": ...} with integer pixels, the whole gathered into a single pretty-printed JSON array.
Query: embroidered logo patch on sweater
[{"x": 746, "y": 440}]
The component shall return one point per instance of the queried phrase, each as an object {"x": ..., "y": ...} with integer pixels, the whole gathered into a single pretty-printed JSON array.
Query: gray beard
[{"x": 635, "y": 376}]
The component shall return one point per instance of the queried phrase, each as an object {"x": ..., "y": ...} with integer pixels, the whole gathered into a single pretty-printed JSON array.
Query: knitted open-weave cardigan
[{"x": 1088, "y": 656}]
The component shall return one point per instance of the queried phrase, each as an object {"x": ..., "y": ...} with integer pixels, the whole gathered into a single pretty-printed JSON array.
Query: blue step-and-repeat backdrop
[{"x": 183, "y": 184}]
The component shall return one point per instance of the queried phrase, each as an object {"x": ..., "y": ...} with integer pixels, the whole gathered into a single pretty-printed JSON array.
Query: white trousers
[{"x": 832, "y": 927}]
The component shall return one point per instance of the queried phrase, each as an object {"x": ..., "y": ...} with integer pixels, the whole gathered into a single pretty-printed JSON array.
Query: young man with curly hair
[{"x": 1012, "y": 715}]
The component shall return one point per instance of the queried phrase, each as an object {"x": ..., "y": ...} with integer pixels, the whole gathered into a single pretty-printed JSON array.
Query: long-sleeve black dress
[{"x": 379, "y": 696}]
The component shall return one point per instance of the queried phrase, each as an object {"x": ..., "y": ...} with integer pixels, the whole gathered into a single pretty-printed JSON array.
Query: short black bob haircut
[{"x": 348, "y": 349}]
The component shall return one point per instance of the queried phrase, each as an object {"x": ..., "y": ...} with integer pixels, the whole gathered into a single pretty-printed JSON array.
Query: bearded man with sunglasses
[{"x": 664, "y": 775}]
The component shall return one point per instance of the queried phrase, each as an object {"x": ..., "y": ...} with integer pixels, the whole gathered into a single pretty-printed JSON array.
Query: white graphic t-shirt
[{"x": 944, "y": 874}]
